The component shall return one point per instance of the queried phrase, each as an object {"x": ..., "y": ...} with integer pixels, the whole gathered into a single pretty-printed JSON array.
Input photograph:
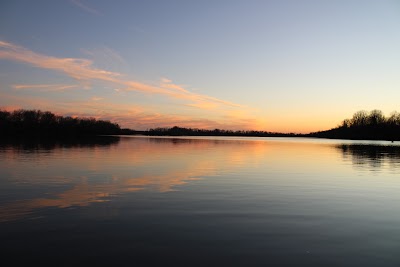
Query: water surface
[{"x": 140, "y": 201}]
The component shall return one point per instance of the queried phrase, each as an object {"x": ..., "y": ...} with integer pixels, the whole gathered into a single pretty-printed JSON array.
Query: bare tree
[{"x": 376, "y": 117}]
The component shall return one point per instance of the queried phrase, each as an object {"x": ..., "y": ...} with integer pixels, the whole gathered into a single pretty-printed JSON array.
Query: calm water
[{"x": 139, "y": 201}]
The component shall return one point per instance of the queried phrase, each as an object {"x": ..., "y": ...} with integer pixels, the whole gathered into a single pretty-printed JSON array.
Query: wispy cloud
[
  {"x": 83, "y": 71},
  {"x": 79, "y": 4},
  {"x": 79, "y": 69},
  {"x": 105, "y": 54},
  {"x": 203, "y": 105},
  {"x": 45, "y": 87},
  {"x": 127, "y": 115},
  {"x": 10, "y": 108},
  {"x": 95, "y": 98},
  {"x": 141, "y": 118},
  {"x": 11, "y": 102}
]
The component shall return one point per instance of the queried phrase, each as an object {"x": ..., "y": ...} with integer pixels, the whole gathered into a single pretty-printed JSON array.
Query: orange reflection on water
[{"x": 95, "y": 174}]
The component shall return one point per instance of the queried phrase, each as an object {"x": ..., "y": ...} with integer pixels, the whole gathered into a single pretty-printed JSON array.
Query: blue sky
[{"x": 269, "y": 65}]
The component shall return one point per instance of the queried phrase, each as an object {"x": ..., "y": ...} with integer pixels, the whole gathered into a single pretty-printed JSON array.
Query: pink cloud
[
  {"x": 10, "y": 108},
  {"x": 83, "y": 71},
  {"x": 45, "y": 87},
  {"x": 104, "y": 54},
  {"x": 85, "y": 7},
  {"x": 127, "y": 116},
  {"x": 132, "y": 116},
  {"x": 95, "y": 98}
]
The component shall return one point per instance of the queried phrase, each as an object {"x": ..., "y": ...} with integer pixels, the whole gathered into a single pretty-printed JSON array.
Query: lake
[{"x": 200, "y": 201}]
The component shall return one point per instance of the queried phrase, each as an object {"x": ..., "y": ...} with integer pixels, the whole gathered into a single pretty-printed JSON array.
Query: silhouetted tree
[
  {"x": 376, "y": 117},
  {"x": 178, "y": 131},
  {"x": 360, "y": 118},
  {"x": 394, "y": 119},
  {"x": 363, "y": 125},
  {"x": 35, "y": 122}
]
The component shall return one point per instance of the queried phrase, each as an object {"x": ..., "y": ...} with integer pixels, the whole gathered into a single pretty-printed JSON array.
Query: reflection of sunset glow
[{"x": 149, "y": 164}]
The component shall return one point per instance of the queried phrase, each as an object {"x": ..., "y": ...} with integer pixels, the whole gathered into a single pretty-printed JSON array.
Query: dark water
[{"x": 138, "y": 201}]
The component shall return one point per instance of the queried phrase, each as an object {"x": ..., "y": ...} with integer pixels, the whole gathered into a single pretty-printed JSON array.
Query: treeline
[
  {"x": 365, "y": 125},
  {"x": 35, "y": 123},
  {"x": 44, "y": 123},
  {"x": 35, "y": 144},
  {"x": 178, "y": 131}
]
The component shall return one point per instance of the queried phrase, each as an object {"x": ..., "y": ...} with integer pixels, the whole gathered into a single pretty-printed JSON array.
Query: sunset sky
[{"x": 287, "y": 66}]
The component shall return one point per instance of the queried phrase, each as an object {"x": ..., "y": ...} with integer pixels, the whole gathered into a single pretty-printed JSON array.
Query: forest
[
  {"x": 179, "y": 131},
  {"x": 365, "y": 125},
  {"x": 44, "y": 123}
]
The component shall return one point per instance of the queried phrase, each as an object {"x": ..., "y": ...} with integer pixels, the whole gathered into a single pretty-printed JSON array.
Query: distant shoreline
[
  {"x": 37, "y": 124},
  {"x": 307, "y": 136}
]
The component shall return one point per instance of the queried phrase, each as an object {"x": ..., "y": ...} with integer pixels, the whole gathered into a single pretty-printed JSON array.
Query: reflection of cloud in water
[
  {"x": 372, "y": 157},
  {"x": 144, "y": 164},
  {"x": 84, "y": 193},
  {"x": 77, "y": 176}
]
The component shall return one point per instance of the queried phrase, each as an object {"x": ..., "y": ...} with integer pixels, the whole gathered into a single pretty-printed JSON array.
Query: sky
[{"x": 283, "y": 66}]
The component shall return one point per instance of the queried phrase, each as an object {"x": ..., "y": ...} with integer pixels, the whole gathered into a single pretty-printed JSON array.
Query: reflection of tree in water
[
  {"x": 373, "y": 156},
  {"x": 32, "y": 145},
  {"x": 185, "y": 141}
]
